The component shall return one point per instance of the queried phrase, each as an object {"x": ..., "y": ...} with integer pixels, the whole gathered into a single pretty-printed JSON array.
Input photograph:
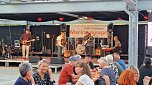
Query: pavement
[{"x": 8, "y": 75}]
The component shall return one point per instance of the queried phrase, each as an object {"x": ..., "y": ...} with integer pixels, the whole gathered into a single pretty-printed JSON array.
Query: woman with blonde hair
[
  {"x": 136, "y": 73},
  {"x": 83, "y": 69},
  {"x": 127, "y": 77},
  {"x": 43, "y": 76}
]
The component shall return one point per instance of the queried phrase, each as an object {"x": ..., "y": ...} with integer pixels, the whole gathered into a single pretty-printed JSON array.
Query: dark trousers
[{"x": 88, "y": 50}]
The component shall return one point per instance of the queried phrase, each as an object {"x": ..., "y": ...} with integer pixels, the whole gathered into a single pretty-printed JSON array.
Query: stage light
[
  {"x": 119, "y": 18},
  {"x": 61, "y": 18},
  {"x": 39, "y": 19},
  {"x": 89, "y": 18},
  {"x": 145, "y": 17}
]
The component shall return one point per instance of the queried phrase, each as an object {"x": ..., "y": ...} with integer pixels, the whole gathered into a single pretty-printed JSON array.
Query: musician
[
  {"x": 88, "y": 42},
  {"x": 25, "y": 39},
  {"x": 60, "y": 43},
  {"x": 117, "y": 46}
]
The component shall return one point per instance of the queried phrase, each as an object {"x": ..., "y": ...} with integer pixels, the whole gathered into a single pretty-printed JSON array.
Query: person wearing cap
[
  {"x": 145, "y": 70},
  {"x": 26, "y": 41},
  {"x": 107, "y": 76},
  {"x": 26, "y": 73},
  {"x": 88, "y": 61},
  {"x": 67, "y": 74}
]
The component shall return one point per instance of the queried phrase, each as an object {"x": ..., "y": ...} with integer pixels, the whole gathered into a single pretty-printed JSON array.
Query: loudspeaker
[
  {"x": 57, "y": 60},
  {"x": 63, "y": 27},
  {"x": 110, "y": 27},
  {"x": 34, "y": 59}
]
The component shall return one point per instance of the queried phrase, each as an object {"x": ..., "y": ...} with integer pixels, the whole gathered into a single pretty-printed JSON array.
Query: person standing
[
  {"x": 26, "y": 42},
  {"x": 88, "y": 42},
  {"x": 61, "y": 42}
]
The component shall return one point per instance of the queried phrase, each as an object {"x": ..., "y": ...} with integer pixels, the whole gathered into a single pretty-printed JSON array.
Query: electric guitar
[
  {"x": 24, "y": 42},
  {"x": 86, "y": 41}
]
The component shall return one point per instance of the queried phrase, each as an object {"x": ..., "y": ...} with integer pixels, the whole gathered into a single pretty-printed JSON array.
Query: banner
[{"x": 78, "y": 31}]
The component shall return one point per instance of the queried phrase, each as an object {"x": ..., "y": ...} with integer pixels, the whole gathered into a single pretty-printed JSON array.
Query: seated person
[
  {"x": 88, "y": 61},
  {"x": 67, "y": 74},
  {"x": 43, "y": 76},
  {"x": 145, "y": 70},
  {"x": 26, "y": 72},
  {"x": 120, "y": 61},
  {"x": 84, "y": 71},
  {"x": 117, "y": 46},
  {"x": 127, "y": 77},
  {"x": 107, "y": 76}
]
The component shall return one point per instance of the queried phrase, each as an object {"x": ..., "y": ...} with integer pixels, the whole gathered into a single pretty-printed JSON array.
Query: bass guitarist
[
  {"x": 26, "y": 41},
  {"x": 88, "y": 42}
]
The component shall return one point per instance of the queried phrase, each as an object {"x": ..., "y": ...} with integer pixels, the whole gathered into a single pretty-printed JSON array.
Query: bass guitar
[{"x": 24, "y": 42}]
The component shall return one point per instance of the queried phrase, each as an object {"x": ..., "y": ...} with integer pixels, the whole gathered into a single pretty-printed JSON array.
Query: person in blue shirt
[
  {"x": 120, "y": 61},
  {"x": 107, "y": 76},
  {"x": 26, "y": 73}
]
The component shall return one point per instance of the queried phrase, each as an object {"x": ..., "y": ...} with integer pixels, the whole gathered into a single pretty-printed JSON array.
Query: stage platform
[
  {"x": 8, "y": 61},
  {"x": 34, "y": 65}
]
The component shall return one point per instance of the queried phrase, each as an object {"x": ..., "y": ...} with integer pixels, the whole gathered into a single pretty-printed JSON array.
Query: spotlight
[{"x": 39, "y": 19}]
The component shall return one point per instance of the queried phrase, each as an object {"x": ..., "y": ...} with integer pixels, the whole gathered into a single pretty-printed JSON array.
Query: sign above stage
[{"x": 78, "y": 31}]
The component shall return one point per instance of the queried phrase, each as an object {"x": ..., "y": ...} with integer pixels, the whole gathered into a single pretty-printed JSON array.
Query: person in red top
[
  {"x": 67, "y": 74},
  {"x": 26, "y": 41}
]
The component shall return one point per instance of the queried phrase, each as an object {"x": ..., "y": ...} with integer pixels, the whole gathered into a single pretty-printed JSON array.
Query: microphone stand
[{"x": 52, "y": 45}]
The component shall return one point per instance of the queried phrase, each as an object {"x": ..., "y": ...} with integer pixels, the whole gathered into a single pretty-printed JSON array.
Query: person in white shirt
[
  {"x": 60, "y": 43},
  {"x": 83, "y": 69}
]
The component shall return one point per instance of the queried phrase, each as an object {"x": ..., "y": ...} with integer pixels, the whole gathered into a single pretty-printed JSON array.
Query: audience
[
  {"x": 67, "y": 74},
  {"x": 115, "y": 69},
  {"x": 145, "y": 69},
  {"x": 26, "y": 77},
  {"x": 84, "y": 71},
  {"x": 117, "y": 58},
  {"x": 107, "y": 76},
  {"x": 120, "y": 69},
  {"x": 147, "y": 80},
  {"x": 88, "y": 61},
  {"x": 127, "y": 78},
  {"x": 43, "y": 76},
  {"x": 136, "y": 72}
]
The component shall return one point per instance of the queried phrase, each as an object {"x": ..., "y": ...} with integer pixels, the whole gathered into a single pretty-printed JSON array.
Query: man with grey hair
[
  {"x": 26, "y": 73},
  {"x": 114, "y": 67},
  {"x": 107, "y": 76}
]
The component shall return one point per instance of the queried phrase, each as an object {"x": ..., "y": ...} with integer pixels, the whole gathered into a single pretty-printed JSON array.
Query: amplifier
[
  {"x": 57, "y": 60},
  {"x": 34, "y": 59}
]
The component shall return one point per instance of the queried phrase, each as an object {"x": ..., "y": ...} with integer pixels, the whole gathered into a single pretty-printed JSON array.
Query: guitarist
[
  {"x": 88, "y": 39},
  {"x": 61, "y": 42},
  {"x": 25, "y": 40}
]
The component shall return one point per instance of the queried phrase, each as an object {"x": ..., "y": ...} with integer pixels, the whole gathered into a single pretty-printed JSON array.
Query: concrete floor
[{"x": 8, "y": 75}]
